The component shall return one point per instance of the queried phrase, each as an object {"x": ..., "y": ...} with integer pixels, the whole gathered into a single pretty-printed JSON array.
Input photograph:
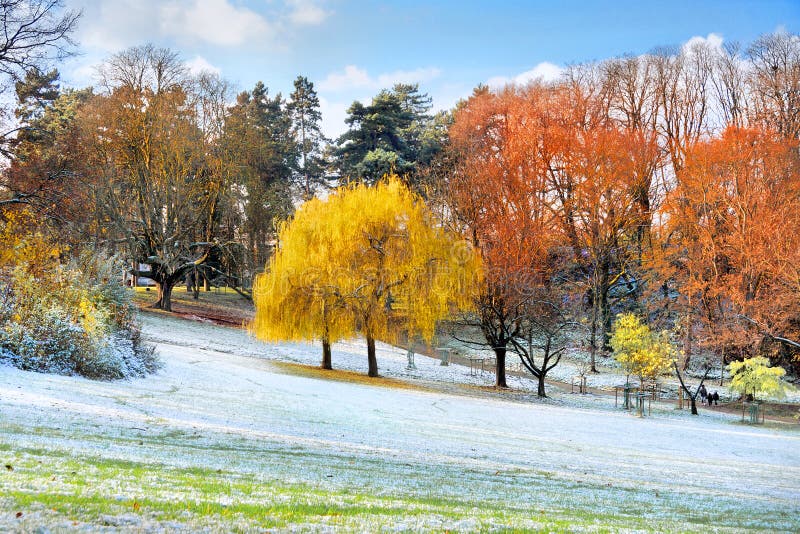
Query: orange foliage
[
  {"x": 736, "y": 214},
  {"x": 499, "y": 196}
]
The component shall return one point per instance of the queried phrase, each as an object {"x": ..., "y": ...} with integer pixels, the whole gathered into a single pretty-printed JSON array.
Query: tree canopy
[
  {"x": 639, "y": 350},
  {"x": 391, "y": 135},
  {"x": 754, "y": 377},
  {"x": 367, "y": 259}
]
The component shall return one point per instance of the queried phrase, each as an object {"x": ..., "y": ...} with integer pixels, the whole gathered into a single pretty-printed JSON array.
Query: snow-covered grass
[{"x": 224, "y": 439}]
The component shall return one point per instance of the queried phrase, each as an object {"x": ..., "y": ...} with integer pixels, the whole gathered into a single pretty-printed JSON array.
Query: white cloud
[
  {"x": 79, "y": 74},
  {"x": 333, "y": 115},
  {"x": 112, "y": 26},
  {"x": 353, "y": 77},
  {"x": 544, "y": 71},
  {"x": 713, "y": 40},
  {"x": 306, "y": 13},
  {"x": 199, "y": 64},
  {"x": 212, "y": 21}
]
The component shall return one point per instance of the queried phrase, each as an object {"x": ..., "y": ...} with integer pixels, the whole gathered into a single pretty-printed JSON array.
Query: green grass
[
  {"x": 151, "y": 492},
  {"x": 59, "y": 487}
]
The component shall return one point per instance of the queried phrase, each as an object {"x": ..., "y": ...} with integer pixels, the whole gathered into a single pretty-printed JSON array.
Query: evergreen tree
[
  {"x": 258, "y": 139},
  {"x": 303, "y": 108},
  {"x": 388, "y": 136}
]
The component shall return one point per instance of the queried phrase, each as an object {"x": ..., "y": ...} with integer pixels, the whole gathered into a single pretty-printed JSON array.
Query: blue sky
[{"x": 352, "y": 49}]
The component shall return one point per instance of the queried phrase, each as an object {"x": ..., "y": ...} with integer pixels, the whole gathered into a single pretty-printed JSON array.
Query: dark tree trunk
[
  {"x": 500, "y": 368},
  {"x": 372, "y": 361},
  {"x": 540, "y": 391},
  {"x": 692, "y": 397},
  {"x": 605, "y": 311},
  {"x": 164, "y": 301},
  {"x": 593, "y": 337},
  {"x": 326, "y": 355},
  {"x": 687, "y": 342}
]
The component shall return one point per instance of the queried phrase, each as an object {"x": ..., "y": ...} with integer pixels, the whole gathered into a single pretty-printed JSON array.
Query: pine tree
[
  {"x": 385, "y": 137},
  {"x": 259, "y": 141},
  {"x": 303, "y": 108}
]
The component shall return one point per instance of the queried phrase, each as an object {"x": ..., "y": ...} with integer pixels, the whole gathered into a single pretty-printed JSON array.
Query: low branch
[
  {"x": 765, "y": 331},
  {"x": 230, "y": 278}
]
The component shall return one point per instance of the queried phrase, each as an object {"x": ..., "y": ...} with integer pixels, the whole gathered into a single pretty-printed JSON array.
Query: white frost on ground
[{"x": 218, "y": 384}]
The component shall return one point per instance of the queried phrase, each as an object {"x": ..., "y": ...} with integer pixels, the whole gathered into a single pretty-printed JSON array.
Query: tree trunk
[
  {"x": 593, "y": 337},
  {"x": 500, "y": 368},
  {"x": 326, "y": 354},
  {"x": 541, "y": 392},
  {"x": 164, "y": 301},
  {"x": 694, "y": 405},
  {"x": 687, "y": 342},
  {"x": 207, "y": 282},
  {"x": 605, "y": 311},
  {"x": 372, "y": 361}
]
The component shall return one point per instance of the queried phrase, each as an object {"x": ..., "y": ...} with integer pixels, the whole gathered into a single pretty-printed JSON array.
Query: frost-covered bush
[
  {"x": 67, "y": 318},
  {"x": 84, "y": 328},
  {"x": 47, "y": 342}
]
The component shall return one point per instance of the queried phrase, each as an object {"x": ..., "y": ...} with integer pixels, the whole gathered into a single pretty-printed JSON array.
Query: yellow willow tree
[
  {"x": 297, "y": 298},
  {"x": 366, "y": 259}
]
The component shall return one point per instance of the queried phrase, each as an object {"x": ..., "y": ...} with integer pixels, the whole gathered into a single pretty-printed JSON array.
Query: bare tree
[
  {"x": 542, "y": 335},
  {"x": 682, "y": 86},
  {"x": 730, "y": 85},
  {"x": 775, "y": 82},
  {"x": 35, "y": 34}
]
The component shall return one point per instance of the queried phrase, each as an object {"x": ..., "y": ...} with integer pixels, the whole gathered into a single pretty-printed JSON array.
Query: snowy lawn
[{"x": 225, "y": 437}]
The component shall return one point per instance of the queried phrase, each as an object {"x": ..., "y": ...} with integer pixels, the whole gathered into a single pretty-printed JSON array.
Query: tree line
[
  {"x": 156, "y": 162},
  {"x": 665, "y": 184}
]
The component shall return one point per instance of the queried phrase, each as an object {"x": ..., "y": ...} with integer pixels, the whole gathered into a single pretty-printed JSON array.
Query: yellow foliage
[
  {"x": 640, "y": 351},
  {"x": 24, "y": 247},
  {"x": 754, "y": 376},
  {"x": 345, "y": 262}
]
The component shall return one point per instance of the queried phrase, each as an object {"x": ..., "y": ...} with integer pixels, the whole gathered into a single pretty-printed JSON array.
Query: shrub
[{"x": 69, "y": 318}]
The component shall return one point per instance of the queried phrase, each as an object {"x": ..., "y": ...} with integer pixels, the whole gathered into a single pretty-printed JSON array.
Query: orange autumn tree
[
  {"x": 598, "y": 180},
  {"x": 601, "y": 211},
  {"x": 498, "y": 198},
  {"x": 736, "y": 216}
]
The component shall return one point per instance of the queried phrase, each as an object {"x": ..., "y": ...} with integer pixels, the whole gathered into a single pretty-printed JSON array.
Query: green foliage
[
  {"x": 258, "y": 141},
  {"x": 303, "y": 108},
  {"x": 392, "y": 135},
  {"x": 640, "y": 351},
  {"x": 754, "y": 376},
  {"x": 380, "y": 162}
]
